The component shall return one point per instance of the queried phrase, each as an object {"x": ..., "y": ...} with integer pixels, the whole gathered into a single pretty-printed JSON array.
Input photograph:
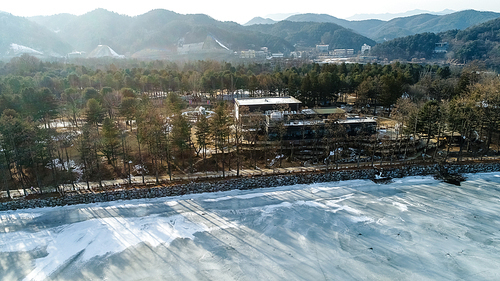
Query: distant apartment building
[
  {"x": 342, "y": 53},
  {"x": 365, "y": 49},
  {"x": 263, "y": 53},
  {"x": 252, "y": 54},
  {"x": 322, "y": 48},
  {"x": 296, "y": 54}
]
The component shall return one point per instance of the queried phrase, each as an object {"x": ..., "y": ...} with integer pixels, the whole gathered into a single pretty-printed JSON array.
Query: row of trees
[
  {"x": 472, "y": 117},
  {"x": 112, "y": 131},
  {"x": 312, "y": 83}
]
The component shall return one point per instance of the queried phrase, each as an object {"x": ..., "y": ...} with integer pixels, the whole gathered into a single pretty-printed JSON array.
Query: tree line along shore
[{"x": 62, "y": 124}]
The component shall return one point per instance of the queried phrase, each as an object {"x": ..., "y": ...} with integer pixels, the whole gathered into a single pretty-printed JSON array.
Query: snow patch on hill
[
  {"x": 20, "y": 49},
  {"x": 104, "y": 51}
]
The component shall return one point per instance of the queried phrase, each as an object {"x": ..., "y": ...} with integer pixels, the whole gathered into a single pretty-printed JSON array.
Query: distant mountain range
[
  {"x": 381, "y": 31},
  {"x": 479, "y": 42},
  {"x": 162, "y": 33},
  {"x": 157, "y": 32},
  {"x": 279, "y": 16},
  {"x": 390, "y": 16},
  {"x": 260, "y": 20},
  {"x": 16, "y": 32},
  {"x": 308, "y": 34}
]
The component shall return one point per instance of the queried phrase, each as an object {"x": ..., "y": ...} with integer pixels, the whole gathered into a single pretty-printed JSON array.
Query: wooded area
[{"x": 63, "y": 123}]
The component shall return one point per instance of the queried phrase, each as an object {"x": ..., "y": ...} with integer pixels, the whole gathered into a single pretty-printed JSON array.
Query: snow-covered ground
[{"x": 412, "y": 229}]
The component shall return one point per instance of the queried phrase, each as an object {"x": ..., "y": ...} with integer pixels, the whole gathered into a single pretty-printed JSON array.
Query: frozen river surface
[{"x": 412, "y": 229}]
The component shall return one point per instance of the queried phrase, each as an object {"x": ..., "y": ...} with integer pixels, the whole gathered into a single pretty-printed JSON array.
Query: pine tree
[{"x": 110, "y": 141}]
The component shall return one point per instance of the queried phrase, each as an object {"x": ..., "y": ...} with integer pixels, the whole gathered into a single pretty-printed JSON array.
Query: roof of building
[
  {"x": 267, "y": 101},
  {"x": 357, "y": 120},
  {"x": 329, "y": 110}
]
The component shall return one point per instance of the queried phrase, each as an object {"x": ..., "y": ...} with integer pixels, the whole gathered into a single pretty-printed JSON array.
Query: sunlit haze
[{"x": 242, "y": 12}]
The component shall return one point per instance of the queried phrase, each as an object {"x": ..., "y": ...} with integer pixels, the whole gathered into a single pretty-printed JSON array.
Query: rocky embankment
[{"x": 244, "y": 183}]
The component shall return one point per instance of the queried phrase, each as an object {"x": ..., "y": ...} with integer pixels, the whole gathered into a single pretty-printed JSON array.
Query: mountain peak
[
  {"x": 260, "y": 20},
  {"x": 102, "y": 11}
]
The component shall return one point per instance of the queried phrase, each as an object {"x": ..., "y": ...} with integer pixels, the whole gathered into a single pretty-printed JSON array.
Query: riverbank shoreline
[{"x": 243, "y": 183}]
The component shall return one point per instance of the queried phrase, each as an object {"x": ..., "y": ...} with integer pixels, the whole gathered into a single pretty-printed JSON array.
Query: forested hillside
[
  {"x": 381, "y": 31},
  {"x": 406, "y": 48},
  {"x": 260, "y": 20},
  {"x": 362, "y": 27},
  {"x": 157, "y": 34},
  {"x": 400, "y": 27},
  {"x": 308, "y": 34},
  {"x": 156, "y": 29},
  {"x": 21, "y": 31},
  {"x": 55, "y": 22},
  {"x": 162, "y": 29},
  {"x": 480, "y": 42}
]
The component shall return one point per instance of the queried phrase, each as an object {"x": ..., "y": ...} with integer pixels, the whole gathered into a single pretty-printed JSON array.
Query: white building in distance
[
  {"x": 365, "y": 48},
  {"x": 322, "y": 48}
]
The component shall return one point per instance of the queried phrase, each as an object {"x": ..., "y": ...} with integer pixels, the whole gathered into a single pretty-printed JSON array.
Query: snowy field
[{"x": 412, "y": 229}]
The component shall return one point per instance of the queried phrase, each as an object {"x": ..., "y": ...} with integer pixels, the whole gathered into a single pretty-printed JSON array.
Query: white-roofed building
[{"x": 266, "y": 104}]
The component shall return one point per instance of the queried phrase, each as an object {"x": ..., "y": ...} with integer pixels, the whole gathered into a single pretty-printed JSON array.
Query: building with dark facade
[{"x": 306, "y": 127}]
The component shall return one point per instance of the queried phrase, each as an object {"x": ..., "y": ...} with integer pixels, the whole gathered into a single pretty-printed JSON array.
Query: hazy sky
[{"x": 242, "y": 11}]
